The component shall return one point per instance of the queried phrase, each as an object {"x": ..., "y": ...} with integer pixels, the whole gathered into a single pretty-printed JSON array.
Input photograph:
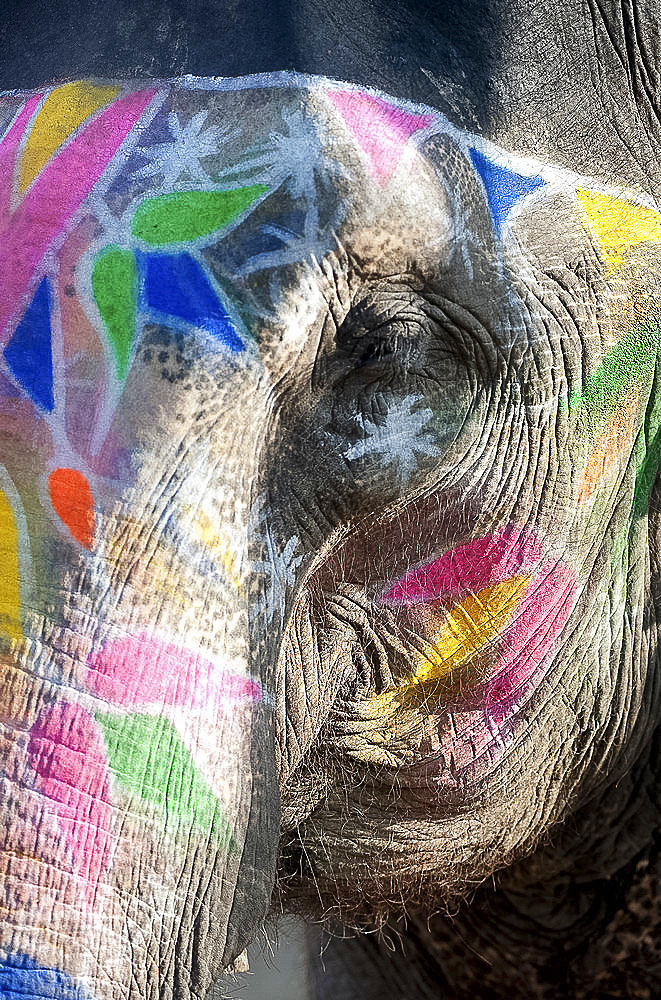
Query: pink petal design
[
  {"x": 540, "y": 617},
  {"x": 8, "y": 149},
  {"x": 470, "y": 567},
  {"x": 381, "y": 129},
  {"x": 542, "y": 613},
  {"x": 142, "y": 670},
  {"x": 68, "y": 755},
  {"x": 56, "y": 195}
]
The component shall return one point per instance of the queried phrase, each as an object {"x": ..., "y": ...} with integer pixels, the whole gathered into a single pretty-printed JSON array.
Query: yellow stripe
[
  {"x": 469, "y": 625},
  {"x": 63, "y": 110},
  {"x": 218, "y": 546},
  {"x": 10, "y": 604},
  {"x": 618, "y": 225}
]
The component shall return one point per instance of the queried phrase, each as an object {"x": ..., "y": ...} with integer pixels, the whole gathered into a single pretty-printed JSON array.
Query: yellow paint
[
  {"x": 10, "y": 604},
  {"x": 218, "y": 546},
  {"x": 64, "y": 109},
  {"x": 616, "y": 433},
  {"x": 469, "y": 625},
  {"x": 618, "y": 225}
]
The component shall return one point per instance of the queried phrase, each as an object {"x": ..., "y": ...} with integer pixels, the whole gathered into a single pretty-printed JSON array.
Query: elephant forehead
[{"x": 173, "y": 246}]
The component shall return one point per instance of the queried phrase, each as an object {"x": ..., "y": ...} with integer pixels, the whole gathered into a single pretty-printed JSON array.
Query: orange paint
[
  {"x": 73, "y": 503},
  {"x": 618, "y": 430}
]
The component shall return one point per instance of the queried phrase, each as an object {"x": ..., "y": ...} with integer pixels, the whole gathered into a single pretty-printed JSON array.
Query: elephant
[{"x": 329, "y": 512}]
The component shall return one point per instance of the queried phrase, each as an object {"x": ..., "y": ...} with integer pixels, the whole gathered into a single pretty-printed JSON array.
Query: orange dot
[{"x": 73, "y": 503}]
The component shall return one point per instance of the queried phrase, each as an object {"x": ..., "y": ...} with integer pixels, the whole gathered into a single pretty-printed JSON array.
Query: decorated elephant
[{"x": 330, "y": 426}]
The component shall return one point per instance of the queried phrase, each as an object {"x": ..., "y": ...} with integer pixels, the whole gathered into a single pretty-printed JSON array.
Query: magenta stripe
[
  {"x": 138, "y": 671},
  {"x": 56, "y": 195},
  {"x": 470, "y": 567},
  {"x": 68, "y": 755}
]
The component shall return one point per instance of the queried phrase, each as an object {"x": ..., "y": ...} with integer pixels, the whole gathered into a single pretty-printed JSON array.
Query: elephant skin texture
[{"x": 329, "y": 439}]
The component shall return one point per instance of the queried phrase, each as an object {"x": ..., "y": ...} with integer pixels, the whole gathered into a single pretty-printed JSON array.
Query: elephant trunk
[{"x": 137, "y": 775}]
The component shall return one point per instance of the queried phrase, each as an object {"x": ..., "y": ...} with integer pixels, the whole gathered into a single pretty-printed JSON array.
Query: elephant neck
[{"x": 580, "y": 917}]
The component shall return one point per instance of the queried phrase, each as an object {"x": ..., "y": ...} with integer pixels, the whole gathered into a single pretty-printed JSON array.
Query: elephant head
[{"x": 328, "y": 437}]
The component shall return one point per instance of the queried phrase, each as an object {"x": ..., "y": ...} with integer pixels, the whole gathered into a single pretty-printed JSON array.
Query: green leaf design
[
  {"x": 182, "y": 216},
  {"x": 115, "y": 288},
  {"x": 148, "y": 758}
]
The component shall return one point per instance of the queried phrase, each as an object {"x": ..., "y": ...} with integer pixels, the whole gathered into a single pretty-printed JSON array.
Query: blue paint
[
  {"x": 176, "y": 286},
  {"x": 503, "y": 187},
  {"x": 21, "y": 978},
  {"x": 28, "y": 355},
  {"x": 159, "y": 131},
  {"x": 280, "y": 230}
]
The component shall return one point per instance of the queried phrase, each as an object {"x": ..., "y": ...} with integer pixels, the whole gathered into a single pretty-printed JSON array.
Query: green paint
[
  {"x": 182, "y": 216},
  {"x": 115, "y": 287},
  {"x": 650, "y": 452},
  {"x": 631, "y": 360},
  {"x": 148, "y": 758},
  {"x": 630, "y": 365}
]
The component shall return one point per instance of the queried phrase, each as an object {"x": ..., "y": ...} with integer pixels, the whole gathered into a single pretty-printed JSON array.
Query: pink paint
[
  {"x": 56, "y": 195},
  {"x": 8, "y": 149},
  {"x": 142, "y": 671},
  {"x": 469, "y": 733},
  {"x": 68, "y": 756},
  {"x": 469, "y": 568},
  {"x": 381, "y": 129},
  {"x": 539, "y": 619},
  {"x": 540, "y": 616}
]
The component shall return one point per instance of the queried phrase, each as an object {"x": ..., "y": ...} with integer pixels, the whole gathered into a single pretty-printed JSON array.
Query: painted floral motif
[
  {"x": 498, "y": 595},
  {"x": 179, "y": 160},
  {"x": 399, "y": 439},
  {"x": 275, "y": 572}
]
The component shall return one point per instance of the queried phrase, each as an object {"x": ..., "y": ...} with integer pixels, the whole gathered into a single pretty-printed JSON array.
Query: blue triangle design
[
  {"x": 21, "y": 978},
  {"x": 28, "y": 355},
  {"x": 503, "y": 187},
  {"x": 177, "y": 286}
]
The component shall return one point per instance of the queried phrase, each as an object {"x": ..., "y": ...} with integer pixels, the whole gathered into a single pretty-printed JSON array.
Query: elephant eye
[{"x": 389, "y": 330}]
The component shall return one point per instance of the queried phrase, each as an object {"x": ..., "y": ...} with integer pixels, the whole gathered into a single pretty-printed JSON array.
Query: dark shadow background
[
  {"x": 388, "y": 44},
  {"x": 577, "y": 82}
]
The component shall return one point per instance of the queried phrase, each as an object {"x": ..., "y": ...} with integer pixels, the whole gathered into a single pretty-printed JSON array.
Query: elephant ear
[
  {"x": 611, "y": 244},
  {"x": 617, "y": 407}
]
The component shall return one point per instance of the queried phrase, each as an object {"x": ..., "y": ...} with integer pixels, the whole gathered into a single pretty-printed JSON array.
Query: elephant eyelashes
[{"x": 388, "y": 346}]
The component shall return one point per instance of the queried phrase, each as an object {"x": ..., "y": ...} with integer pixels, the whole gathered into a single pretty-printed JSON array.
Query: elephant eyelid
[
  {"x": 403, "y": 326},
  {"x": 394, "y": 342}
]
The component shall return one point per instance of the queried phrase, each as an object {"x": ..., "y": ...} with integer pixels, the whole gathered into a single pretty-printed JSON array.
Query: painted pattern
[{"x": 123, "y": 215}]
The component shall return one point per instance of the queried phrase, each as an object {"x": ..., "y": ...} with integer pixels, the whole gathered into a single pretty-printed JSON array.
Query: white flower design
[
  {"x": 277, "y": 570},
  {"x": 294, "y": 159},
  {"x": 398, "y": 439},
  {"x": 182, "y": 155}
]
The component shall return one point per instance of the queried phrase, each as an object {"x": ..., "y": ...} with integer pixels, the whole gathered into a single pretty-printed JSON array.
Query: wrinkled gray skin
[{"x": 566, "y": 822}]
